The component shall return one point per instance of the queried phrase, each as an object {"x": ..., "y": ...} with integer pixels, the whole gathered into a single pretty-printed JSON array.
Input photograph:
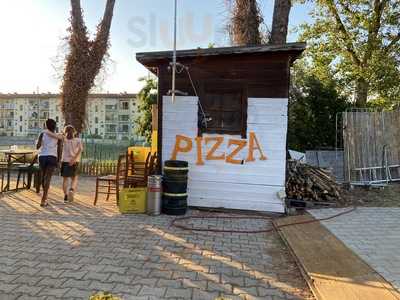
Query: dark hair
[
  {"x": 69, "y": 132},
  {"x": 51, "y": 125}
]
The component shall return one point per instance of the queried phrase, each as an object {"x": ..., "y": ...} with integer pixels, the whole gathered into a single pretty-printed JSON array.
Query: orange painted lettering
[
  {"x": 231, "y": 157},
  {"x": 199, "y": 141},
  {"x": 218, "y": 141},
  {"x": 181, "y": 148},
  {"x": 254, "y": 145}
]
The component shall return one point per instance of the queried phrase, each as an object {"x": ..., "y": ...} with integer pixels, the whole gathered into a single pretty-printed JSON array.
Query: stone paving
[
  {"x": 70, "y": 251},
  {"x": 373, "y": 234}
]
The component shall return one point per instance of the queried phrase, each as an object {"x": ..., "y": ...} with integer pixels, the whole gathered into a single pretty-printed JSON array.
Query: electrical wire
[
  {"x": 195, "y": 92},
  {"x": 274, "y": 228}
]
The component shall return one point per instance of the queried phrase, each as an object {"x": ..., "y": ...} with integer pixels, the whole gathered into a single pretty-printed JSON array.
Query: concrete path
[
  {"x": 70, "y": 251},
  {"x": 373, "y": 234}
]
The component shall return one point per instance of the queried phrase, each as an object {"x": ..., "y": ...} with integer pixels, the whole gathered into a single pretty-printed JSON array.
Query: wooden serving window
[{"x": 225, "y": 110}]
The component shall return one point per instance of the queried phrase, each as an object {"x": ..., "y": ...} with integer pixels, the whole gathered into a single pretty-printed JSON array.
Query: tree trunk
[
  {"x": 83, "y": 63},
  {"x": 245, "y": 23},
  {"x": 280, "y": 21},
  {"x": 361, "y": 92}
]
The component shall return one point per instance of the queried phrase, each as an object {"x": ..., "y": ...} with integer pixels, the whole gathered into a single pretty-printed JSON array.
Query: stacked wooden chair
[{"x": 130, "y": 174}]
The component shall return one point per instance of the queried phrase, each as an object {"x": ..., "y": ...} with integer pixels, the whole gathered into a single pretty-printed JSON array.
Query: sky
[{"x": 32, "y": 33}]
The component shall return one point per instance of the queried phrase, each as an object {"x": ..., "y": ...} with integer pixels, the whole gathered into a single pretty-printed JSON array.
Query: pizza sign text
[{"x": 184, "y": 144}]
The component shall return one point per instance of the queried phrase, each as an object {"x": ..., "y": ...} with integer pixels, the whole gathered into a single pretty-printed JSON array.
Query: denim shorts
[{"x": 47, "y": 161}]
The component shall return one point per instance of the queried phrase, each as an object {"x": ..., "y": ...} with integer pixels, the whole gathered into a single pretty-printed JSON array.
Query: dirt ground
[{"x": 388, "y": 196}]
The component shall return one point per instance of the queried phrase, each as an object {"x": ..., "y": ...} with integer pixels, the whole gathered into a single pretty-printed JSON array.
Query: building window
[
  {"x": 110, "y": 117},
  {"x": 124, "y": 128},
  {"x": 96, "y": 120},
  {"x": 111, "y": 107},
  {"x": 225, "y": 111},
  {"x": 111, "y": 128},
  {"x": 124, "y": 105},
  {"x": 57, "y": 119},
  {"x": 20, "y": 128},
  {"x": 123, "y": 118},
  {"x": 96, "y": 108},
  {"x": 20, "y": 118},
  {"x": 21, "y": 107},
  {"x": 96, "y": 131}
]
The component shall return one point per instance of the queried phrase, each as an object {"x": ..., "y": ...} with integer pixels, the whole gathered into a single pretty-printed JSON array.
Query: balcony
[{"x": 111, "y": 107}]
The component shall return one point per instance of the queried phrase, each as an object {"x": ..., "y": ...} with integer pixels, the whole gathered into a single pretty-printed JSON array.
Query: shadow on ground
[{"x": 70, "y": 251}]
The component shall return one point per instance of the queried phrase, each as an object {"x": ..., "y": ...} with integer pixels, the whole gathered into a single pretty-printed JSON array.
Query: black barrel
[
  {"x": 175, "y": 187},
  {"x": 174, "y": 168}
]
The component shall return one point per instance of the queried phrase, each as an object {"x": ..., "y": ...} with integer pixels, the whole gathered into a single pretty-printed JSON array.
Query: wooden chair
[
  {"x": 137, "y": 177},
  {"x": 112, "y": 182},
  {"x": 154, "y": 164},
  {"x": 29, "y": 170}
]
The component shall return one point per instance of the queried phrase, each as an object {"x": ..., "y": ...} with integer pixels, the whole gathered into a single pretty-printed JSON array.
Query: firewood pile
[{"x": 308, "y": 183}]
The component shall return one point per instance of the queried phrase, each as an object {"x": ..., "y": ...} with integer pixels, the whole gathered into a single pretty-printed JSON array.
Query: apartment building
[{"x": 110, "y": 116}]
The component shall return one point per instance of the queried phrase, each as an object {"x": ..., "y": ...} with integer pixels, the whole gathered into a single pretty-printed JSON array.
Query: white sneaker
[{"x": 71, "y": 195}]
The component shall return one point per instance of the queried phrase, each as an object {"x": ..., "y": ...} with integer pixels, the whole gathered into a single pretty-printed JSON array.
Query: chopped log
[{"x": 308, "y": 183}]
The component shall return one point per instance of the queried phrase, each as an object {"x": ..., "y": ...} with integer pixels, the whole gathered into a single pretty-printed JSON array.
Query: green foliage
[
  {"x": 146, "y": 98},
  {"x": 312, "y": 113},
  {"x": 358, "y": 42}
]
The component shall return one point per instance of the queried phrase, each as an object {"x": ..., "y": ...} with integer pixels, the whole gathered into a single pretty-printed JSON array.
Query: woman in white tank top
[{"x": 49, "y": 155}]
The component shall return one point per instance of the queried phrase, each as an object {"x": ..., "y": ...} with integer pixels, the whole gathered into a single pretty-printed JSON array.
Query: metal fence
[
  {"x": 371, "y": 141},
  {"x": 97, "y": 168},
  {"x": 99, "y": 156}
]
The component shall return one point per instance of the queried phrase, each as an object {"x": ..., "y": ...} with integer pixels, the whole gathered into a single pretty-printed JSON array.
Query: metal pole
[{"x": 174, "y": 54}]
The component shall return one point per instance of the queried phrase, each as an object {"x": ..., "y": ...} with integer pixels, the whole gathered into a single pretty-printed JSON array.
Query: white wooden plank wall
[{"x": 253, "y": 185}]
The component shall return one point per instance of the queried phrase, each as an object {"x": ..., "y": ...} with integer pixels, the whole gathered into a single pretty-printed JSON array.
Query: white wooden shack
[{"x": 230, "y": 124}]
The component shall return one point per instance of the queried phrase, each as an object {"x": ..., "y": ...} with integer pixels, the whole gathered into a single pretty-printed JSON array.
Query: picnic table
[{"x": 13, "y": 157}]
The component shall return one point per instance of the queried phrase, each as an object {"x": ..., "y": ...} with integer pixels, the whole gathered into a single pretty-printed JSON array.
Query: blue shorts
[{"x": 47, "y": 161}]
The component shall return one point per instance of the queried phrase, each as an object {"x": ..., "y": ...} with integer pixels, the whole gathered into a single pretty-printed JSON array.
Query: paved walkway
[
  {"x": 373, "y": 234},
  {"x": 71, "y": 251}
]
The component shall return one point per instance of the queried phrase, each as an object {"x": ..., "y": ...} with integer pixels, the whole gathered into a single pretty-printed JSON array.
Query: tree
[
  {"x": 360, "y": 42},
  {"x": 146, "y": 97},
  {"x": 244, "y": 23},
  {"x": 108, "y": 66},
  {"x": 83, "y": 63},
  {"x": 280, "y": 21},
  {"x": 312, "y": 112}
]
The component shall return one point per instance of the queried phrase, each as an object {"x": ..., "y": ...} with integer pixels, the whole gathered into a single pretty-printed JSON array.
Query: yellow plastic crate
[
  {"x": 132, "y": 201},
  {"x": 139, "y": 153}
]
